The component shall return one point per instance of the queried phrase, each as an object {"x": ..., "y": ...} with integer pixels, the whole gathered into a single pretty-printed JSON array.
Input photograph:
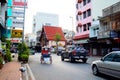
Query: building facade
[
  {"x": 3, "y": 16},
  {"x": 30, "y": 40},
  {"x": 41, "y": 19},
  {"x": 109, "y": 32},
  {"x": 88, "y": 11},
  {"x": 47, "y": 37}
]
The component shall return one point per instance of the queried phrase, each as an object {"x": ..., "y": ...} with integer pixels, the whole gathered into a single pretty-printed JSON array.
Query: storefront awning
[
  {"x": 81, "y": 41},
  {"x": 79, "y": 1},
  {"x": 79, "y": 12},
  {"x": 81, "y": 37}
]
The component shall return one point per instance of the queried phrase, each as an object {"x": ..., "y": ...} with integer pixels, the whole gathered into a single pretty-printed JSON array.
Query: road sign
[
  {"x": 18, "y": 23},
  {"x": 17, "y": 12}
]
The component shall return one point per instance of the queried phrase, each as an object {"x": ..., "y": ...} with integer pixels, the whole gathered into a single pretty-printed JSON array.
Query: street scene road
[{"x": 61, "y": 70}]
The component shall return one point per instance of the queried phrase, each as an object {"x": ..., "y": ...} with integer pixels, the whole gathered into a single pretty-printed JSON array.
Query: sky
[{"x": 64, "y": 8}]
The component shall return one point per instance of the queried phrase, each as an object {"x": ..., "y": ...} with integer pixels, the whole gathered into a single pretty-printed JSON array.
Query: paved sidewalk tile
[{"x": 10, "y": 71}]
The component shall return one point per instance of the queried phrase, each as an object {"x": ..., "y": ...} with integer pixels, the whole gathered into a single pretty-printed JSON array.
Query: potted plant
[{"x": 1, "y": 62}]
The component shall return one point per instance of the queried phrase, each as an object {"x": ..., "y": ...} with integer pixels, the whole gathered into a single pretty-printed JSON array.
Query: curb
[{"x": 29, "y": 73}]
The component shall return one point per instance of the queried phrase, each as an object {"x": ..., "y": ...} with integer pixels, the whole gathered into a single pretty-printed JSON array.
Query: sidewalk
[{"x": 10, "y": 71}]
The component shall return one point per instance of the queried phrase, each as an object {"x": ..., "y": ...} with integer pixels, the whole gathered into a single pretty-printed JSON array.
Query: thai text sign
[
  {"x": 17, "y": 12},
  {"x": 18, "y": 23},
  {"x": 16, "y": 33}
]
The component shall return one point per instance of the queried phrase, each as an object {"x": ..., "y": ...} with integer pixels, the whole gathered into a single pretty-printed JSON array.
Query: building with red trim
[
  {"x": 47, "y": 37},
  {"x": 88, "y": 11}
]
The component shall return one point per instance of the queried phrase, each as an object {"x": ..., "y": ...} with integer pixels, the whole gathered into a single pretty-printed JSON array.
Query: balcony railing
[{"x": 112, "y": 9}]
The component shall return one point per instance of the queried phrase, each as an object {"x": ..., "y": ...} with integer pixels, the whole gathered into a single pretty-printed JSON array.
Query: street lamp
[{"x": 72, "y": 27}]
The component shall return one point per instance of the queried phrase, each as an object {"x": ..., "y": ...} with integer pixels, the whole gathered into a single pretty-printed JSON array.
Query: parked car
[
  {"x": 32, "y": 51},
  {"x": 72, "y": 53},
  {"x": 60, "y": 49},
  {"x": 109, "y": 65}
]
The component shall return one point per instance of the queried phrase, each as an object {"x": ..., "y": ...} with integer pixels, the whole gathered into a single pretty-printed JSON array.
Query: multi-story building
[
  {"x": 3, "y": 10},
  {"x": 88, "y": 11},
  {"x": 30, "y": 40},
  {"x": 42, "y": 19},
  {"x": 9, "y": 18},
  {"x": 109, "y": 32}
]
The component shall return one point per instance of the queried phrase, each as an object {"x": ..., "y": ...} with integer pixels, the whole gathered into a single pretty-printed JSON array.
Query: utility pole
[{"x": 23, "y": 21}]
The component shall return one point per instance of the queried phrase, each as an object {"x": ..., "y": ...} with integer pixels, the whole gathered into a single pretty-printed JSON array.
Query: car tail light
[{"x": 74, "y": 52}]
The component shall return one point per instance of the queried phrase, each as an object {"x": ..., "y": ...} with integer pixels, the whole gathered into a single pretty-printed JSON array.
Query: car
[
  {"x": 73, "y": 54},
  {"x": 109, "y": 65},
  {"x": 60, "y": 49},
  {"x": 32, "y": 51}
]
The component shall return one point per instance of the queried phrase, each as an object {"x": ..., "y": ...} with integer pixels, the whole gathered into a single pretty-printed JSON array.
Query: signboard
[
  {"x": 20, "y": 3},
  {"x": 18, "y": 23},
  {"x": 16, "y": 33},
  {"x": 18, "y": 12}
]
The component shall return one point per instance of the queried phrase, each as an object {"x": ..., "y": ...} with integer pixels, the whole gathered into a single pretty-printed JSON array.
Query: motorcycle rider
[{"x": 45, "y": 53}]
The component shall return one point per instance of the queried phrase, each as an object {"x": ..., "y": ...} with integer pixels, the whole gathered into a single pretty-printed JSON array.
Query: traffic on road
[{"x": 60, "y": 70}]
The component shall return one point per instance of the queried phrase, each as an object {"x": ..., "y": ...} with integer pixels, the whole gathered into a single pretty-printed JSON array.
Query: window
[
  {"x": 109, "y": 57},
  {"x": 88, "y": 1},
  {"x": 88, "y": 12},
  {"x": 116, "y": 58},
  {"x": 84, "y": 27},
  {"x": 84, "y": 14},
  {"x": 77, "y": 17},
  {"x": 105, "y": 26},
  {"x": 94, "y": 31},
  {"x": 80, "y": 29},
  {"x": 84, "y": 2},
  {"x": 88, "y": 25},
  {"x": 76, "y": 6},
  {"x": 80, "y": 17},
  {"x": 47, "y": 24}
]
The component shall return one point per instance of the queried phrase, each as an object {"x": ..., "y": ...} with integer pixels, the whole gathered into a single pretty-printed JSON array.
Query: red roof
[
  {"x": 51, "y": 31},
  {"x": 81, "y": 36}
]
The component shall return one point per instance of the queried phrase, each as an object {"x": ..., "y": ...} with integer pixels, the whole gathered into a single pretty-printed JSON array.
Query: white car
[{"x": 109, "y": 65}]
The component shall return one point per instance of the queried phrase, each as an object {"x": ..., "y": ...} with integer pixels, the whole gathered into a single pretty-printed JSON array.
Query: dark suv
[{"x": 72, "y": 53}]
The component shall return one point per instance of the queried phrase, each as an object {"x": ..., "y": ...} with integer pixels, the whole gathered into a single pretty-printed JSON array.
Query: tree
[{"x": 57, "y": 39}]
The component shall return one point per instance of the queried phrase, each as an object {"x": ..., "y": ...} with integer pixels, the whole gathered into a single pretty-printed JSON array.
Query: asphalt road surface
[{"x": 62, "y": 70}]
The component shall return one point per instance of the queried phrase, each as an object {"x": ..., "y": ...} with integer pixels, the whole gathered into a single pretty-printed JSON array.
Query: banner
[
  {"x": 16, "y": 33},
  {"x": 20, "y": 3}
]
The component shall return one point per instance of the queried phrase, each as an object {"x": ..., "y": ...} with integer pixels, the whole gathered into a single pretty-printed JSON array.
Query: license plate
[
  {"x": 81, "y": 56},
  {"x": 76, "y": 56}
]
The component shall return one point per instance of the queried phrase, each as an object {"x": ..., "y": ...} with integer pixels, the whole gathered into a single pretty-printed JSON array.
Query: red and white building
[{"x": 47, "y": 37}]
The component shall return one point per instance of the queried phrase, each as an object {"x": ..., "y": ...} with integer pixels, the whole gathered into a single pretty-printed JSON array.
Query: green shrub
[
  {"x": 8, "y": 56},
  {"x": 24, "y": 57},
  {"x": 1, "y": 60}
]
